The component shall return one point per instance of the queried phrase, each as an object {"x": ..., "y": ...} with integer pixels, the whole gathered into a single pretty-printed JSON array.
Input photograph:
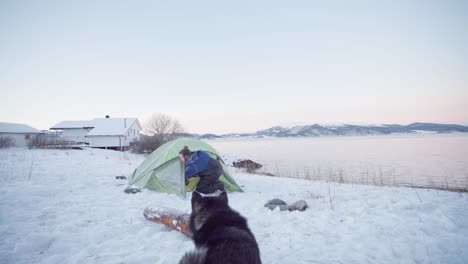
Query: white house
[
  {"x": 20, "y": 133},
  {"x": 74, "y": 130},
  {"x": 114, "y": 133}
]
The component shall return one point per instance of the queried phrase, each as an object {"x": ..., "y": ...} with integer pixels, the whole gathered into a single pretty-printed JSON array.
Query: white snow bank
[{"x": 65, "y": 206}]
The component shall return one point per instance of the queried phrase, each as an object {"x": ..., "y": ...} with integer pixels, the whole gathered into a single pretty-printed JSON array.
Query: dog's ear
[{"x": 223, "y": 196}]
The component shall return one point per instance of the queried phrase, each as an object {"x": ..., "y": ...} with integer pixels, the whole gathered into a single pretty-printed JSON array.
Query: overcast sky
[{"x": 234, "y": 67}]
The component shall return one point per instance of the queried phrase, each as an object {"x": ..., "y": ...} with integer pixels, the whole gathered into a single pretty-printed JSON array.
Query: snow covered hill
[
  {"x": 319, "y": 130},
  {"x": 65, "y": 206}
]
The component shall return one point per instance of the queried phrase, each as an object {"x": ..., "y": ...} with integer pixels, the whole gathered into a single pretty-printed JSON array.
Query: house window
[{"x": 27, "y": 137}]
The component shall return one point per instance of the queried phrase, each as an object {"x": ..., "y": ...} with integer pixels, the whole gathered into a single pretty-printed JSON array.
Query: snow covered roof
[
  {"x": 111, "y": 126},
  {"x": 17, "y": 128},
  {"x": 101, "y": 126},
  {"x": 73, "y": 124}
]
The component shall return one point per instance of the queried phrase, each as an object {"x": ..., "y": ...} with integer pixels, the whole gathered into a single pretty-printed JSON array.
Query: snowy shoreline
[{"x": 65, "y": 206}]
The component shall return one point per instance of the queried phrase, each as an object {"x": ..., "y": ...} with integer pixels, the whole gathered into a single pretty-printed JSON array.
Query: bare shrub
[
  {"x": 7, "y": 142},
  {"x": 43, "y": 142},
  {"x": 307, "y": 173},
  {"x": 146, "y": 144},
  {"x": 163, "y": 126},
  {"x": 341, "y": 175}
]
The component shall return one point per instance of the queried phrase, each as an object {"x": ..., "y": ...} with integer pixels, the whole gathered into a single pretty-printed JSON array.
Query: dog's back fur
[{"x": 221, "y": 235}]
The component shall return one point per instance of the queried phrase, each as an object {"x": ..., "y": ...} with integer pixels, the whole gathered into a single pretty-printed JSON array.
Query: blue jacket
[{"x": 196, "y": 163}]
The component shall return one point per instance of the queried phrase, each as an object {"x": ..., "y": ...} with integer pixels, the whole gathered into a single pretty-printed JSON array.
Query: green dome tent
[{"x": 163, "y": 171}]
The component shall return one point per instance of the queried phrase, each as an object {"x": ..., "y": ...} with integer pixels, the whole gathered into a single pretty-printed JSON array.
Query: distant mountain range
[{"x": 319, "y": 130}]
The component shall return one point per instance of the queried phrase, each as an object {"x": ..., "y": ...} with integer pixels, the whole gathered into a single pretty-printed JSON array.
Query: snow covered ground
[{"x": 65, "y": 206}]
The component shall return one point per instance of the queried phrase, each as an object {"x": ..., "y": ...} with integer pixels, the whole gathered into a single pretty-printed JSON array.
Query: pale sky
[{"x": 241, "y": 66}]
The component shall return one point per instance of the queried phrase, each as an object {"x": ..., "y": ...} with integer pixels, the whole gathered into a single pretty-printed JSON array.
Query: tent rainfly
[{"x": 163, "y": 171}]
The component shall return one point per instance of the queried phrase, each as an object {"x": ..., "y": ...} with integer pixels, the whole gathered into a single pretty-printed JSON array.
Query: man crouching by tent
[{"x": 201, "y": 164}]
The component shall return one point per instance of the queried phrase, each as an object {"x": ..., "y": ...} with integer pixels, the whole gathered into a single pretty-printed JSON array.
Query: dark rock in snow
[
  {"x": 272, "y": 204},
  {"x": 247, "y": 164},
  {"x": 276, "y": 202},
  {"x": 120, "y": 177},
  {"x": 265, "y": 173},
  {"x": 300, "y": 205},
  {"x": 132, "y": 190}
]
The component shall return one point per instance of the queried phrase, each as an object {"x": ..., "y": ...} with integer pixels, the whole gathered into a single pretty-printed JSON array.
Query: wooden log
[{"x": 169, "y": 217}]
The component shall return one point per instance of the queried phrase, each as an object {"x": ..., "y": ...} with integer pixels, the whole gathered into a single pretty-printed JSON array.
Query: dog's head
[
  {"x": 203, "y": 207},
  {"x": 206, "y": 204}
]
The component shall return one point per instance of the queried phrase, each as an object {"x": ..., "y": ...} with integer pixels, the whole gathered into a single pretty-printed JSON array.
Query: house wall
[
  {"x": 20, "y": 139},
  {"x": 105, "y": 141},
  {"x": 133, "y": 134},
  {"x": 75, "y": 134}
]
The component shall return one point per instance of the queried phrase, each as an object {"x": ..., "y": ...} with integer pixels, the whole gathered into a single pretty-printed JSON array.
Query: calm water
[{"x": 435, "y": 160}]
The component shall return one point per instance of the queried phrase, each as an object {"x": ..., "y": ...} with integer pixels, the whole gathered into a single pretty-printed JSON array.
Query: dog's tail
[{"x": 194, "y": 257}]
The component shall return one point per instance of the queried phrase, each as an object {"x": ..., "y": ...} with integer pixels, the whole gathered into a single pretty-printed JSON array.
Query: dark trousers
[{"x": 209, "y": 181}]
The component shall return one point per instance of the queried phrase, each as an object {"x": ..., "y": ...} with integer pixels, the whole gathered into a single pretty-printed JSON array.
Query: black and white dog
[{"x": 221, "y": 235}]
